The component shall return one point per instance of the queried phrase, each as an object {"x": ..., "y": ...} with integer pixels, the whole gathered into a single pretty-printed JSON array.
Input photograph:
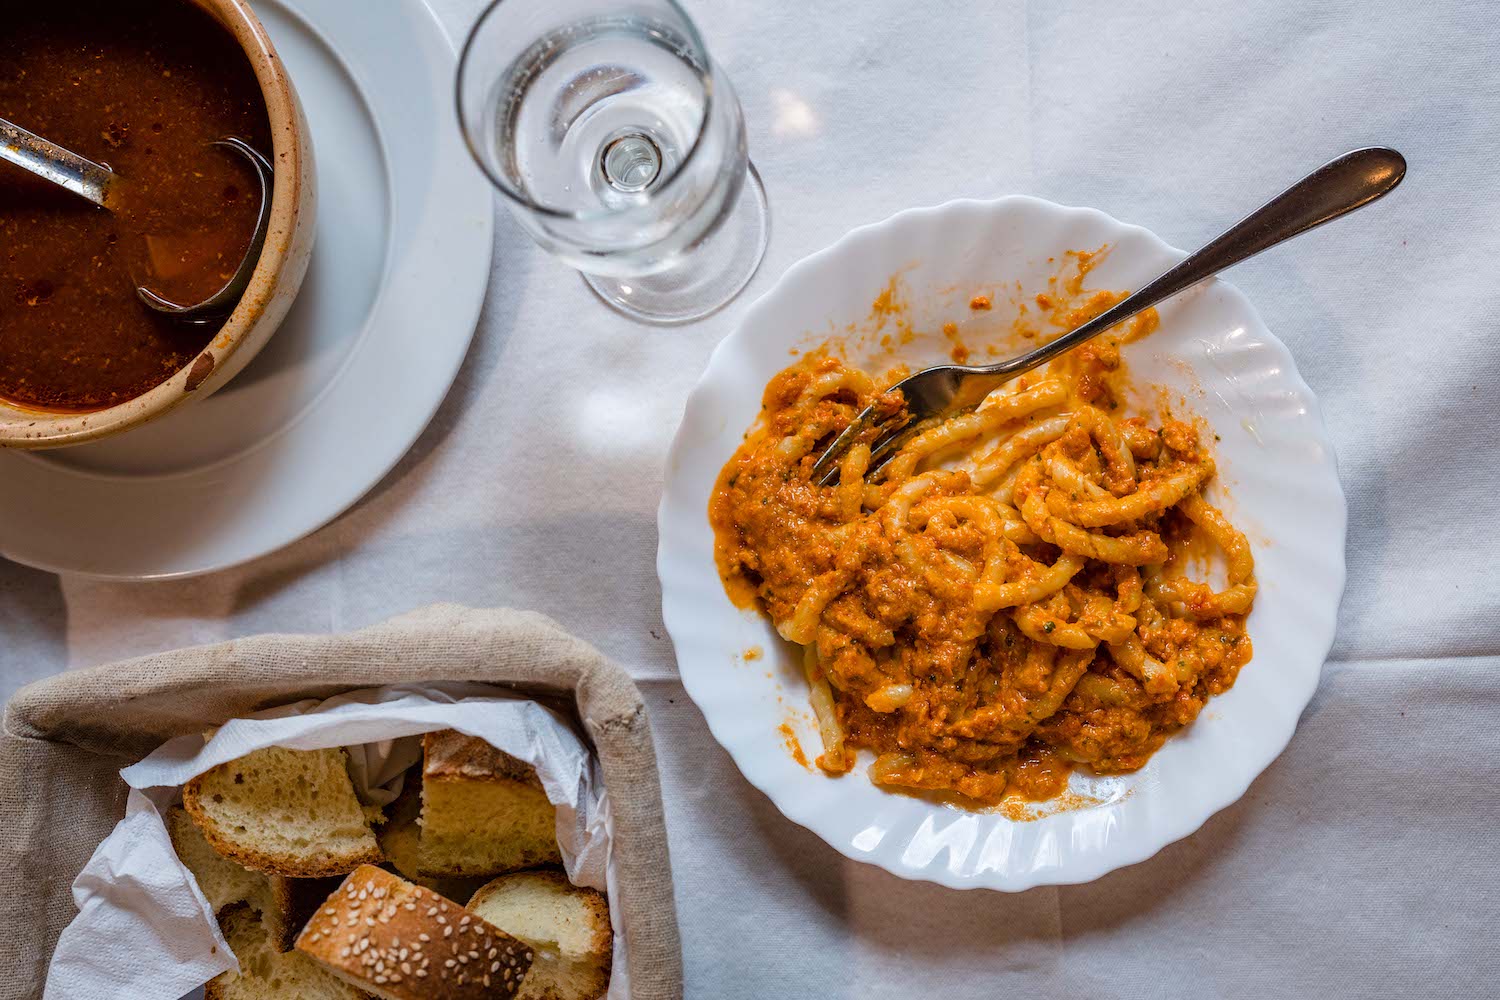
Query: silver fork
[{"x": 1337, "y": 188}]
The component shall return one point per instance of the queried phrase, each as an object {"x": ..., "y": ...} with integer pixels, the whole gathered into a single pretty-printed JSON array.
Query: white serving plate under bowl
[
  {"x": 356, "y": 370},
  {"x": 1277, "y": 480}
]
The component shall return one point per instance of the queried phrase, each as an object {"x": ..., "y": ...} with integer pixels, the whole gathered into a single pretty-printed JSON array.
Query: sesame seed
[
  {"x": 486, "y": 980},
  {"x": 379, "y": 980},
  {"x": 448, "y": 931},
  {"x": 492, "y": 953},
  {"x": 423, "y": 937},
  {"x": 449, "y": 964},
  {"x": 431, "y": 910},
  {"x": 421, "y": 973},
  {"x": 406, "y": 967},
  {"x": 344, "y": 953},
  {"x": 463, "y": 960},
  {"x": 494, "y": 966}
]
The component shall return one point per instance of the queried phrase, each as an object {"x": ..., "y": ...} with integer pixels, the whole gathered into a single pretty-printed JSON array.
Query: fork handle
[{"x": 1336, "y": 188}]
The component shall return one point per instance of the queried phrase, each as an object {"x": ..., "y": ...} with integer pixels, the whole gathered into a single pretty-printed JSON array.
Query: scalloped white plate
[{"x": 1277, "y": 479}]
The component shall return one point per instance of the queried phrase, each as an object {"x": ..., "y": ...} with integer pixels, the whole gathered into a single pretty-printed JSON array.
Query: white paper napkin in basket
[{"x": 145, "y": 931}]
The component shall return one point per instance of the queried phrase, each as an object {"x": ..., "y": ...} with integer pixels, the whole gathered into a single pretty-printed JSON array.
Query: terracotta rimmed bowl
[{"x": 277, "y": 278}]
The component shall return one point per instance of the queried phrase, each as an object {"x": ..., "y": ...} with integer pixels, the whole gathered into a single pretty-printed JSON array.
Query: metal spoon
[
  {"x": 1335, "y": 189},
  {"x": 100, "y": 185}
]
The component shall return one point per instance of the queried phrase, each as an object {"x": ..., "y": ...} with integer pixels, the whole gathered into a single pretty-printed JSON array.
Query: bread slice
[
  {"x": 403, "y": 942},
  {"x": 284, "y": 812},
  {"x": 283, "y": 904},
  {"x": 399, "y": 844},
  {"x": 222, "y": 882},
  {"x": 265, "y": 973},
  {"x": 483, "y": 812},
  {"x": 567, "y": 928}
]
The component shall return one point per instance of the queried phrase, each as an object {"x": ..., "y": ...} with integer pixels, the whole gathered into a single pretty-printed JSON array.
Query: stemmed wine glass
[{"x": 620, "y": 147}]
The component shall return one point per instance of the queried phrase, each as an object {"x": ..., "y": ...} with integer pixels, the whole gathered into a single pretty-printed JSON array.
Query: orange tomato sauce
[{"x": 985, "y": 625}]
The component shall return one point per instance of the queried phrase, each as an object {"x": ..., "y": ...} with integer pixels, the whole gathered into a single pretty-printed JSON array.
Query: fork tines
[{"x": 825, "y": 471}]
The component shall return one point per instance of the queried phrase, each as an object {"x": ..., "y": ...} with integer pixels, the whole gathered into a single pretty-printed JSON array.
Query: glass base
[{"x": 706, "y": 279}]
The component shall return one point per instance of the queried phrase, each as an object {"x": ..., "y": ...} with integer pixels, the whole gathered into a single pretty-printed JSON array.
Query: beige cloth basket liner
[{"x": 67, "y": 737}]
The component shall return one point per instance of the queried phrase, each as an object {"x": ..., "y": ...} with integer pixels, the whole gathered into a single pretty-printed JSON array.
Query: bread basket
[{"x": 66, "y": 738}]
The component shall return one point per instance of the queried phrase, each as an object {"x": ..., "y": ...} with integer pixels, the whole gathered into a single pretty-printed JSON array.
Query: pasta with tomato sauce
[{"x": 1007, "y": 598}]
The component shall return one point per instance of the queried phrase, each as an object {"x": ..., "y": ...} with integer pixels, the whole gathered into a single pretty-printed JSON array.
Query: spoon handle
[
  {"x": 60, "y": 166},
  {"x": 1336, "y": 188}
]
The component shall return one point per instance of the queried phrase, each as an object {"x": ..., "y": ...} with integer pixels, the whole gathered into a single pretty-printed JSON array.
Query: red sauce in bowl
[{"x": 144, "y": 87}]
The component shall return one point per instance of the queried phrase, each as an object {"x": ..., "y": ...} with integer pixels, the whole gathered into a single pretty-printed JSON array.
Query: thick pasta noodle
[{"x": 1008, "y": 598}]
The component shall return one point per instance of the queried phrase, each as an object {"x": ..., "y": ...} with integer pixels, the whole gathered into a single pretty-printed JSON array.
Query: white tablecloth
[{"x": 1365, "y": 862}]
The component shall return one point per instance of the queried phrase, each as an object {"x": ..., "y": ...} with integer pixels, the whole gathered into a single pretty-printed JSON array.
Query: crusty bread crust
[
  {"x": 259, "y": 860},
  {"x": 404, "y": 942},
  {"x": 448, "y": 754},
  {"x": 296, "y": 900}
]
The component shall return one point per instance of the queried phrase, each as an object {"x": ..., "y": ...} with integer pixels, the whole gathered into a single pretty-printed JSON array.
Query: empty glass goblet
[{"x": 620, "y": 147}]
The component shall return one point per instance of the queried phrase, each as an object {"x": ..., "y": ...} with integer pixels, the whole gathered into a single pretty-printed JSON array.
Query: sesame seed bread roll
[
  {"x": 399, "y": 941},
  {"x": 284, "y": 812},
  {"x": 483, "y": 811}
]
